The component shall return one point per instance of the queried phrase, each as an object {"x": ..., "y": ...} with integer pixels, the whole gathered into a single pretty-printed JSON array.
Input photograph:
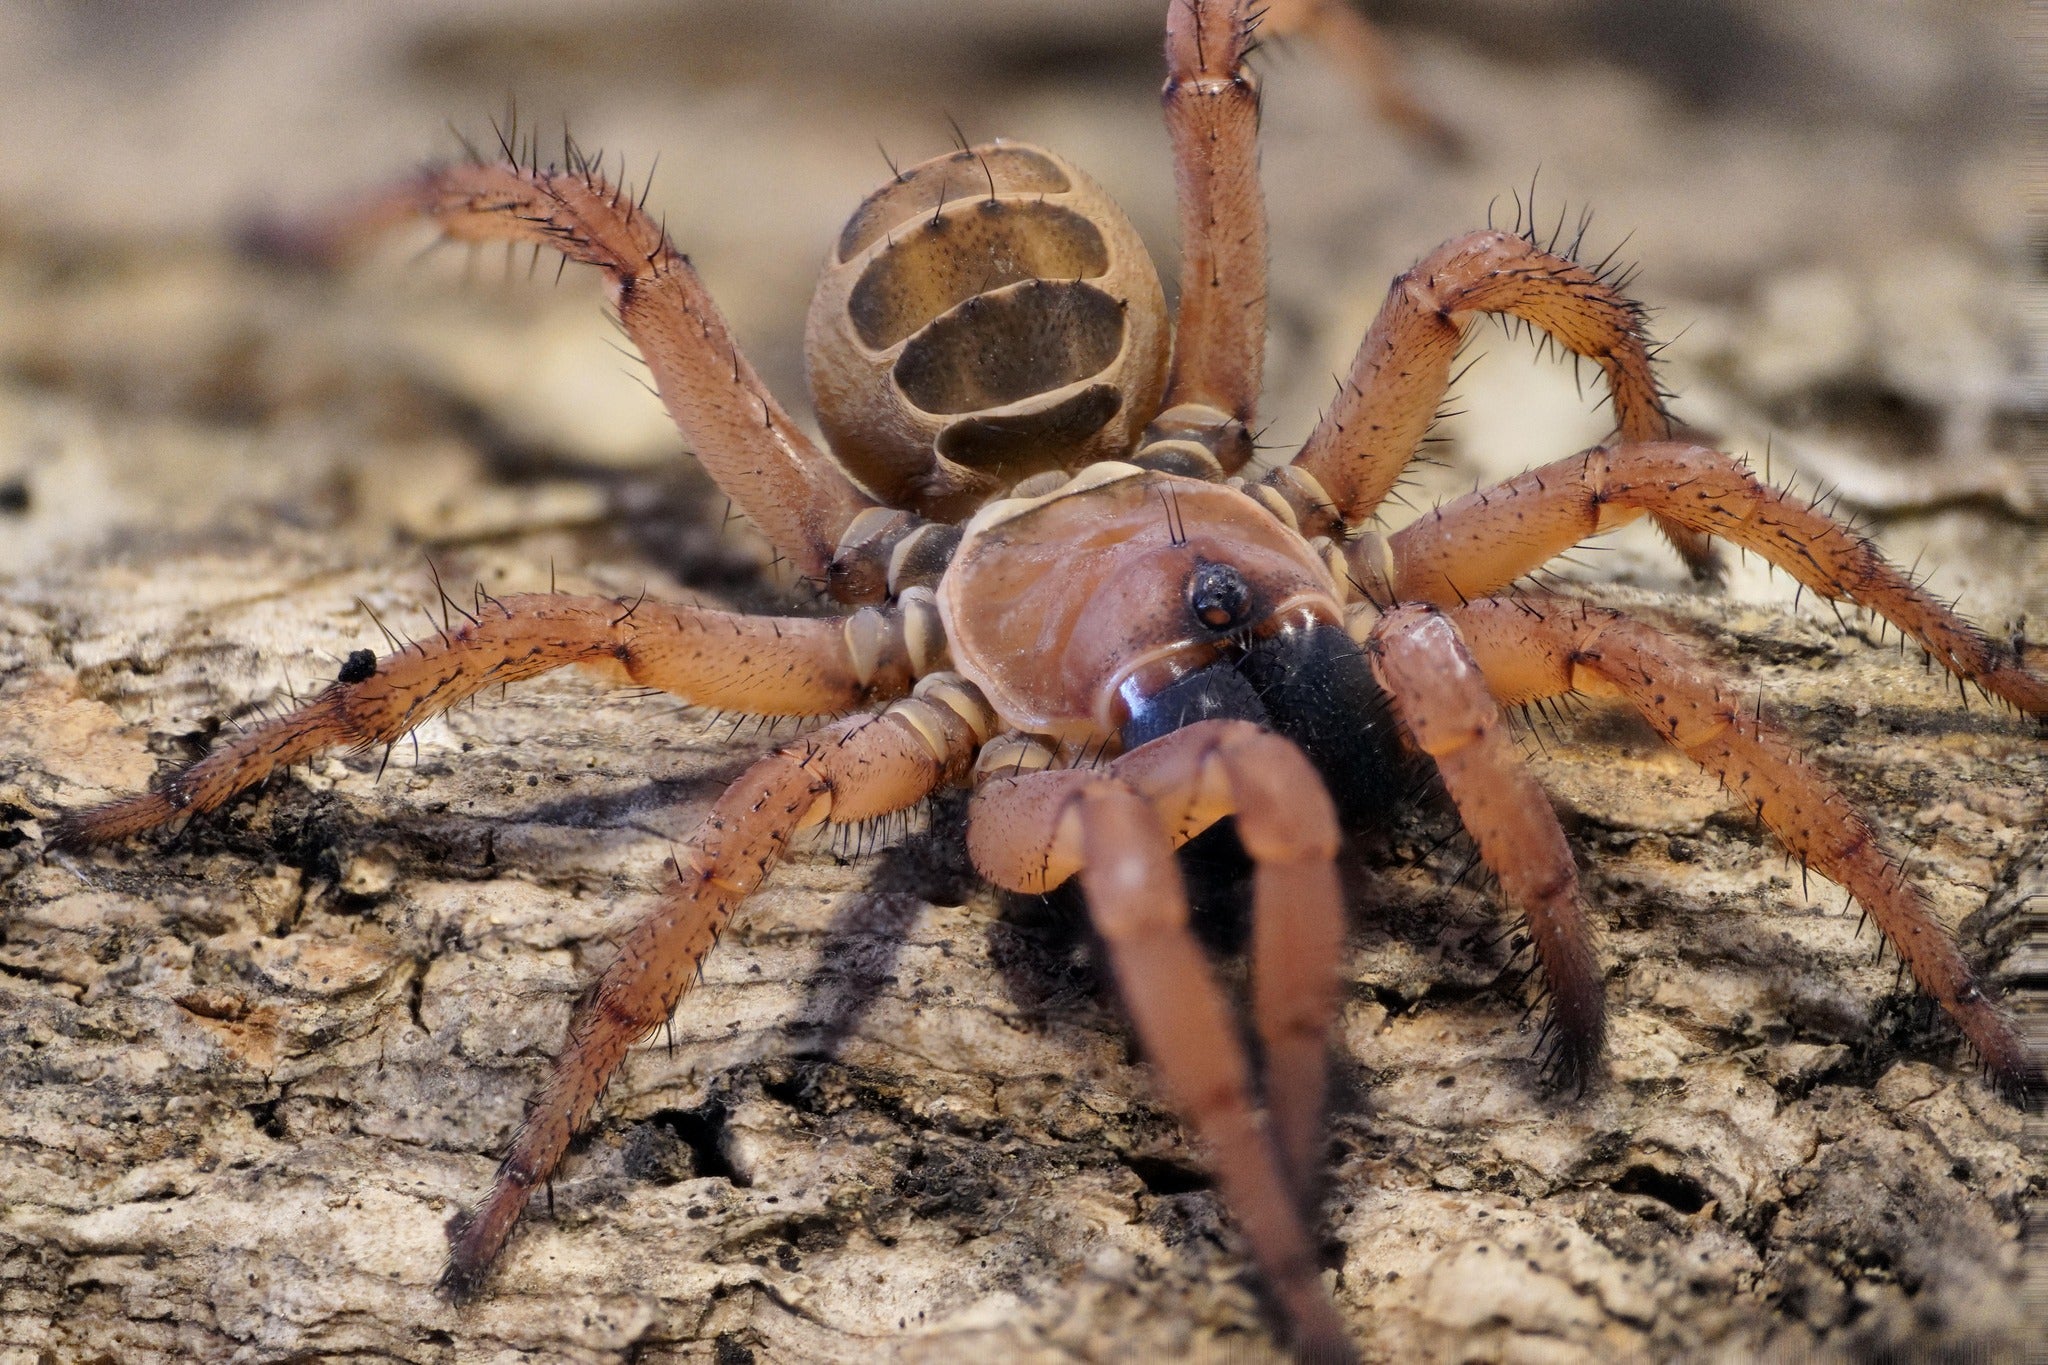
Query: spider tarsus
[
  {"x": 461, "y": 1280},
  {"x": 2025, "y": 1087},
  {"x": 81, "y": 831},
  {"x": 1568, "y": 1057}
]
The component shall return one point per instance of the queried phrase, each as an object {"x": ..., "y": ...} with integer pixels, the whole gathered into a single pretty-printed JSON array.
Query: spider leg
[
  {"x": 758, "y": 664},
  {"x": 789, "y": 488},
  {"x": 1366, "y": 57},
  {"x": 1540, "y": 647},
  {"x": 1116, "y": 829},
  {"x": 1289, "y": 828},
  {"x": 1444, "y": 704},
  {"x": 1479, "y": 543},
  {"x": 1403, "y": 367},
  {"x": 1212, "y": 119},
  {"x": 858, "y": 769}
]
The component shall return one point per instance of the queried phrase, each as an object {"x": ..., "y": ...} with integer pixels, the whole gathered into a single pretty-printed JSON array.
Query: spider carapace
[{"x": 1037, "y": 509}]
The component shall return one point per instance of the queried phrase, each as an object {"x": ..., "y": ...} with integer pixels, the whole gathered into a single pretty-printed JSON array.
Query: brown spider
[{"x": 1067, "y": 594}]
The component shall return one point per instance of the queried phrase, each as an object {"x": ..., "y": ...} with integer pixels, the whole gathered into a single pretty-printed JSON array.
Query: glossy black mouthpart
[{"x": 1311, "y": 683}]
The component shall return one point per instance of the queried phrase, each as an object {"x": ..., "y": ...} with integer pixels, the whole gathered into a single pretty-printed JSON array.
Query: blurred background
[
  {"x": 249, "y": 1071},
  {"x": 1825, "y": 200}
]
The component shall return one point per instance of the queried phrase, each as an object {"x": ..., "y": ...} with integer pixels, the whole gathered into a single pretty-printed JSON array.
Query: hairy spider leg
[
  {"x": 763, "y": 665},
  {"x": 1211, "y": 101},
  {"x": 1367, "y": 58},
  {"x": 780, "y": 479},
  {"x": 1443, "y": 701},
  {"x": 1485, "y": 540},
  {"x": 1402, "y": 370},
  {"x": 1117, "y": 828},
  {"x": 858, "y": 769},
  {"x": 1536, "y": 647}
]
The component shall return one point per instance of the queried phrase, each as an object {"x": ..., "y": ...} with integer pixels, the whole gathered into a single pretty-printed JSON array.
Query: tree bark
[{"x": 249, "y": 1069}]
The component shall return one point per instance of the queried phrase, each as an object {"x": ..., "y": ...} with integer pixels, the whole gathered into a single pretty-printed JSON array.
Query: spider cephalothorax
[{"x": 1054, "y": 550}]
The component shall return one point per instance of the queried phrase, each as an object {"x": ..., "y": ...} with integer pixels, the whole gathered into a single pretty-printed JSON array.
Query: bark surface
[{"x": 248, "y": 1071}]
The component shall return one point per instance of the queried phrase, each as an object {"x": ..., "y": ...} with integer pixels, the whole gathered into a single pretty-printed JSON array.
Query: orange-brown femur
[
  {"x": 987, "y": 315},
  {"x": 1057, "y": 605}
]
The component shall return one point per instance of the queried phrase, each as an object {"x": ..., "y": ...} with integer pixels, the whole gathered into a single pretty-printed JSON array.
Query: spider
[{"x": 1066, "y": 591}]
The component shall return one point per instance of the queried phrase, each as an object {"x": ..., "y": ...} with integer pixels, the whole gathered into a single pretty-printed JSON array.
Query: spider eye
[{"x": 1219, "y": 596}]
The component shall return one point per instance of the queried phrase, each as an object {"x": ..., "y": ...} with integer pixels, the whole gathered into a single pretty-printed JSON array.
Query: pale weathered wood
[{"x": 246, "y": 1073}]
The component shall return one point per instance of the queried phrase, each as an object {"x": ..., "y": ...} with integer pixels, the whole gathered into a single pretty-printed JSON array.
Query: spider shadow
[
  {"x": 1042, "y": 947},
  {"x": 859, "y": 950},
  {"x": 862, "y": 945},
  {"x": 1051, "y": 963}
]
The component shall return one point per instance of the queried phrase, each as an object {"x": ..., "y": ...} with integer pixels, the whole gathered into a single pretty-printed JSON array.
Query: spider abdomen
[{"x": 987, "y": 315}]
